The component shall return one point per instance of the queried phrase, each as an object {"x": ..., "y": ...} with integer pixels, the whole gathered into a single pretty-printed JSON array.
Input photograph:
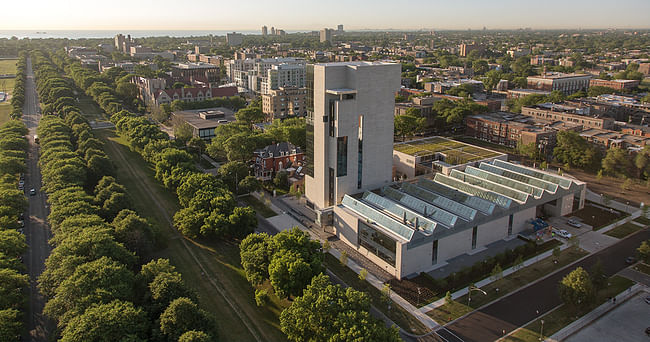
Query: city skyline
[{"x": 361, "y": 15}]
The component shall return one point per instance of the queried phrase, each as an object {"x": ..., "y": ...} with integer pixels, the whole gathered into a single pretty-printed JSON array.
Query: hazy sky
[{"x": 308, "y": 15}]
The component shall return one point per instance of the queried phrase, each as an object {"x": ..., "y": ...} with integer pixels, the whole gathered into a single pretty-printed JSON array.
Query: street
[
  {"x": 37, "y": 231},
  {"x": 519, "y": 308}
]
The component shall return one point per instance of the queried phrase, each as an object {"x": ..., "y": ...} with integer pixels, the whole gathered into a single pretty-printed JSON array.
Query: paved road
[
  {"x": 37, "y": 231},
  {"x": 521, "y": 307}
]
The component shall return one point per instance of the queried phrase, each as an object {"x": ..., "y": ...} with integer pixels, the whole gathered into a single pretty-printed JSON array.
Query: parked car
[
  {"x": 21, "y": 231},
  {"x": 32, "y": 192},
  {"x": 574, "y": 223},
  {"x": 647, "y": 299},
  {"x": 630, "y": 260},
  {"x": 21, "y": 223},
  {"x": 647, "y": 331},
  {"x": 562, "y": 233},
  {"x": 21, "y": 182}
]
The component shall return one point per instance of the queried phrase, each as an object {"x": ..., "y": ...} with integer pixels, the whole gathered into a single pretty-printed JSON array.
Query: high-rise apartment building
[
  {"x": 339, "y": 28},
  {"x": 326, "y": 35},
  {"x": 234, "y": 38},
  {"x": 350, "y": 109},
  {"x": 264, "y": 30}
]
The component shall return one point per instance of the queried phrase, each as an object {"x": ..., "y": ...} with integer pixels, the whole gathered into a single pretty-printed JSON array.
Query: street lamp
[
  {"x": 469, "y": 292},
  {"x": 541, "y": 330}
]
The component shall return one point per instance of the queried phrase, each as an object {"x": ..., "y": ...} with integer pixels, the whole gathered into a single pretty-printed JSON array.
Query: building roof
[
  {"x": 444, "y": 146},
  {"x": 431, "y": 209},
  {"x": 279, "y": 149},
  {"x": 195, "y": 119}
]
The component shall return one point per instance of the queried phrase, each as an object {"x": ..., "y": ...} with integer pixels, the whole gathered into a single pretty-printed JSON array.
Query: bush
[{"x": 261, "y": 297}]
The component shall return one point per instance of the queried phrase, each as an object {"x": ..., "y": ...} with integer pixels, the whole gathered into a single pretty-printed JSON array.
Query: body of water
[{"x": 81, "y": 34}]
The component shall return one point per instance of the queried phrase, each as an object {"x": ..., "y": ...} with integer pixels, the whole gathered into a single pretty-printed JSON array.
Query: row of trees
[
  {"x": 209, "y": 207},
  {"x": 13, "y": 148},
  {"x": 96, "y": 288},
  {"x": 320, "y": 311},
  {"x": 18, "y": 94}
]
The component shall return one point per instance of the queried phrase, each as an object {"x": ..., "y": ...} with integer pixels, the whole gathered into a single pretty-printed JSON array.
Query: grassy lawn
[
  {"x": 220, "y": 259},
  {"x": 7, "y": 85},
  {"x": 481, "y": 143},
  {"x": 642, "y": 220},
  {"x": 624, "y": 230},
  {"x": 5, "y": 110},
  {"x": 8, "y": 66},
  {"x": 397, "y": 314},
  {"x": 506, "y": 285},
  {"x": 259, "y": 207},
  {"x": 643, "y": 268},
  {"x": 597, "y": 217},
  {"x": 565, "y": 314},
  {"x": 90, "y": 108}
]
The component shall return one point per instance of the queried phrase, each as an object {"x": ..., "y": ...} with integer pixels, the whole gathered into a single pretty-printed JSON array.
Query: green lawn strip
[
  {"x": 507, "y": 284},
  {"x": 566, "y": 314},
  {"x": 624, "y": 230},
  {"x": 643, "y": 268},
  {"x": 259, "y": 207},
  {"x": 643, "y": 220},
  {"x": 396, "y": 313},
  {"x": 221, "y": 259},
  {"x": 5, "y": 110},
  {"x": 7, "y": 85},
  {"x": 8, "y": 66}
]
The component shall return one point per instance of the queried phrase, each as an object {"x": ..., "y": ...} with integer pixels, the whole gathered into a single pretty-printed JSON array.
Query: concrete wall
[
  {"x": 454, "y": 245},
  {"x": 415, "y": 260},
  {"x": 519, "y": 220},
  {"x": 491, "y": 232},
  {"x": 404, "y": 164}
]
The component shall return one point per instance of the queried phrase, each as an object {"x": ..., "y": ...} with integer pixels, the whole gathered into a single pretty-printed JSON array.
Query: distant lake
[{"x": 80, "y": 34}]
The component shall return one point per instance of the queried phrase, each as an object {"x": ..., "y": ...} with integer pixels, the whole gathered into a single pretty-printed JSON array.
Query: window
[
  {"x": 434, "y": 253},
  {"x": 332, "y": 117},
  {"x": 377, "y": 243},
  {"x": 341, "y": 156},
  {"x": 474, "y": 234},
  {"x": 510, "y": 225},
  {"x": 331, "y": 186},
  {"x": 360, "y": 155}
]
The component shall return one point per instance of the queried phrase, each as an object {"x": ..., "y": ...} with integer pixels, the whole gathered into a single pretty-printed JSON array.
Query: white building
[
  {"x": 251, "y": 74},
  {"x": 410, "y": 228},
  {"x": 283, "y": 75},
  {"x": 326, "y": 35},
  {"x": 349, "y": 129}
]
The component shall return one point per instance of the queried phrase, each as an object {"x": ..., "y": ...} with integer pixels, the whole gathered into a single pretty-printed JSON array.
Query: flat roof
[
  {"x": 341, "y": 91},
  {"x": 429, "y": 146},
  {"x": 193, "y": 118}
]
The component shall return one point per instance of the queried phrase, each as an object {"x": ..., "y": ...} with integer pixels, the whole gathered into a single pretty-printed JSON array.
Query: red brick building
[
  {"x": 277, "y": 157},
  {"x": 614, "y": 84}
]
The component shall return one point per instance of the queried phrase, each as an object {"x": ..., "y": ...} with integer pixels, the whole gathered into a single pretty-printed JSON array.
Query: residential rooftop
[{"x": 430, "y": 146}]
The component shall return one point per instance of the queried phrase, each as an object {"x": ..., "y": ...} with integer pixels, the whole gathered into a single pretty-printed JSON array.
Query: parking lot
[{"x": 626, "y": 323}]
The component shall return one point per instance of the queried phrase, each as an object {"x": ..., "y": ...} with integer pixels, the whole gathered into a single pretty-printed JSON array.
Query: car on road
[
  {"x": 562, "y": 233},
  {"x": 630, "y": 260},
  {"x": 574, "y": 223},
  {"x": 21, "y": 182},
  {"x": 21, "y": 231},
  {"x": 647, "y": 331},
  {"x": 21, "y": 223},
  {"x": 32, "y": 192},
  {"x": 647, "y": 299}
]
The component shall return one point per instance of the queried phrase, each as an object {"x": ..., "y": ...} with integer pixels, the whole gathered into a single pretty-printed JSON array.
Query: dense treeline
[
  {"x": 13, "y": 149},
  {"x": 98, "y": 284},
  {"x": 293, "y": 264},
  {"x": 18, "y": 94}
]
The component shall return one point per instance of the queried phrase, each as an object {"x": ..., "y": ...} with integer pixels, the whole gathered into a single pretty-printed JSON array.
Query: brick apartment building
[
  {"x": 284, "y": 102},
  {"x": 568, "y": 114},
  {"x": 566, "y": 83},
  {"x": 614, "y": 84},
  {"x": 277, "y": 157}
]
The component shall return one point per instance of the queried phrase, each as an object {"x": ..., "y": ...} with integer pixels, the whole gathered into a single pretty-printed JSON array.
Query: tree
[
  {"x": 249, "y": 184},
  {"x": 598, "y": 277},
  {"x": 134, "y": 232},
  {"x": 183, "y": 132},
  {"x": 408, "y": 124},
  {"x": 166, "y": 287},
  {"x": 289, "y": 273},
  {"x": 198, "y": 145},
  {"x": 448, "y": 298},
  {"x": 251, "y": 114},
  {"x": 573, "y": 150},
  {"x": 127, "y": 90},
  {"x": 363, "y": 274},
  {"x": 344, "y": 258},
  {"x": 617, "y": 162},
  {"x": 644, "y": 251},
  {"x": 576, "y": 287},
  {"x": 195, "y": 336},
  {"x": 233, "y": 172},
  {"x": 480, "y": 67},
  {"x": 600, "y": 90},
  {"x": 181, "y": 316},
  {"x": 11, "y": 291},
  {"x": 529, "y": 150},
  {"x": 556, "y": 253},
  {"x": 11, "y": 325},
  {"x": 326, "y": 312},
  {"x": 281, "y": 180},
  {"x": 261, "y": 297},
  {"x": 255, "y": 254},
  {"x": 115, "y": 321},
  {"x": 12, "y": 243},
  {"x": 497, "y": 272}
]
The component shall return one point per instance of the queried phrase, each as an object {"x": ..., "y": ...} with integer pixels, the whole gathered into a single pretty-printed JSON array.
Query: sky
[{"x": 292, "y": 15}]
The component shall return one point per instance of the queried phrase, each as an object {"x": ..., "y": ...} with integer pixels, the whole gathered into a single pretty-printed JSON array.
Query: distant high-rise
[
  {"x": 339, "y": 28},
  {"x": 272, "y": 31},
  {"x": 264, "y": 30},
  {"x": 234, "y": 39},
  {"x": 326, "y": 35},
  {"x": 350, "y": 115}
]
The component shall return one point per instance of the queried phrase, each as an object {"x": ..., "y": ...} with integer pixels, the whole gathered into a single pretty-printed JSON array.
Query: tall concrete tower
[{"x": 349, "y": 129}]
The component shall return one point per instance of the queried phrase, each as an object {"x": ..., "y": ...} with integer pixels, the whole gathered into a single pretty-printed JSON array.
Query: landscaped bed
[
  {"x": 424, "y": 289},
  {"x": 624, "y": 230}
]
